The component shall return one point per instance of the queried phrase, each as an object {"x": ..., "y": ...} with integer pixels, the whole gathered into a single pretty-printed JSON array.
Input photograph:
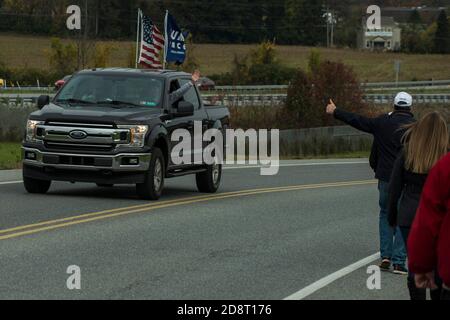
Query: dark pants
[
  {"x": 414, "y": 291},
  {"x": 445, "y": 294}
]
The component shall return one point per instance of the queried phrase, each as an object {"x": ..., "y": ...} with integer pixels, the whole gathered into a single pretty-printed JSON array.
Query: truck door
[
  {"x": 200, "y": 116},
  {"x": 186, "y": 123}
]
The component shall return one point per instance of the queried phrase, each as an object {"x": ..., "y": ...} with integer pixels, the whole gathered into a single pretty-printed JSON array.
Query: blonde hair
[{"x": 426, "y": 142}]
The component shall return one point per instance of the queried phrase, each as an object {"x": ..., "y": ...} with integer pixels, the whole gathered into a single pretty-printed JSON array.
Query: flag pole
[
  {"x": 166, "y": 41},
  {"x": 137, "y": 38}
]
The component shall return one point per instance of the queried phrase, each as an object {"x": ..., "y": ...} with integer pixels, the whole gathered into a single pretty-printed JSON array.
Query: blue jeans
[{"x": 392, "y": 246}]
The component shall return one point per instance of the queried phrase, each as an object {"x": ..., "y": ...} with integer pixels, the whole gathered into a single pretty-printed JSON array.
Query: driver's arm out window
[{"x": 191, "y": 96}]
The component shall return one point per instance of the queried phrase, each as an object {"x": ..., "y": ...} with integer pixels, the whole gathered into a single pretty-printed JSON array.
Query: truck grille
[
  {"x": 82, "y": 137},
  {"x": 78, "y": 161},
  {"x": 77, "y": 146}
]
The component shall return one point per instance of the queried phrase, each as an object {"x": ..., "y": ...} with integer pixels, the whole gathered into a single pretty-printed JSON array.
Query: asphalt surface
[{"x": 263, "y": 244}]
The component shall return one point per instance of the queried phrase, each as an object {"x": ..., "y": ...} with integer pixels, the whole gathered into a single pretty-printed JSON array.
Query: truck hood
[{"x": 96, "y": 114}]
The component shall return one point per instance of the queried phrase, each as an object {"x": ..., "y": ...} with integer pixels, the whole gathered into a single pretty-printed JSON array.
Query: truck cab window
[
  {"x": 174, "y": 86},
  {"x": 191, "y": 96},
  {"x": 138, "y": 90}
]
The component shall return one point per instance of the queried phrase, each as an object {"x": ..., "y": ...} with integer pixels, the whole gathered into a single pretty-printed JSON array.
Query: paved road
[{"x": 291, "y": 230}]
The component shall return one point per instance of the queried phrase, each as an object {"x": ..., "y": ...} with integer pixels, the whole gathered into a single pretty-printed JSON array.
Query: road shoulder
[
  {"x": 10, "y": 175},
  {"x": 355, "y": 286}
]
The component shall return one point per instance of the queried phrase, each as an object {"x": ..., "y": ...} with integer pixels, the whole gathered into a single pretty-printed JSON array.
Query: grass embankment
[
  {"x": 10, "y": 155},
  {"x": 216, "y": 59}
]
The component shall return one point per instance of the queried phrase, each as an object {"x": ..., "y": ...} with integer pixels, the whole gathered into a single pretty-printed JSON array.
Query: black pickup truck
[{"x": 114, "y": 126}]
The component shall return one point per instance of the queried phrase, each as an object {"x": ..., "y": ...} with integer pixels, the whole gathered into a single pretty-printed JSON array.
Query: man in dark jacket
[
  {"x": 388, "y": 132},
  {"x": 429, "y": 241}
]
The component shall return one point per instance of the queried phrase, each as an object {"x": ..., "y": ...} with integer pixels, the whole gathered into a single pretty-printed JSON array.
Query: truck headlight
[
  {"x": 31, "y": 130},
  {"x": 137, "y": 135}
]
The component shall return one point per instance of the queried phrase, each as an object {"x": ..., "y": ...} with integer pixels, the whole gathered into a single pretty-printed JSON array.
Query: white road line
[
  {"x": 10, "y": 182},
  {"x": 324, "y": 282},
  {"x": 299, "y": 165},
  {"x": 259, "y": 167}
]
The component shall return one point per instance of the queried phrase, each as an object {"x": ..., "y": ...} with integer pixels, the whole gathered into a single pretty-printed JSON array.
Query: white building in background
[{"x": 388, "y": 38}]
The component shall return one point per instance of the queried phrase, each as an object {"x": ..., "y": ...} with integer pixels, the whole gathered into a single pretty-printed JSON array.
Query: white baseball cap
[{"x": 403, "y": 100}]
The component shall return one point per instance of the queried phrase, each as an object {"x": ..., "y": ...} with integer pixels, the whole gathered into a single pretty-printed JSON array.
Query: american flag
[{"x": 152, "y": 43}]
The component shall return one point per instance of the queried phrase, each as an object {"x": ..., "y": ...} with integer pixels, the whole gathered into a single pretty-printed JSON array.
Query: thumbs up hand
[{"x": 331, "y": 108}]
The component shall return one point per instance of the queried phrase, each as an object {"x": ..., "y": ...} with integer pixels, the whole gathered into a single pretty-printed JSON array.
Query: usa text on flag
[
  {"x": 151, "y": 45},
  {"x": 176, "y": 41}
]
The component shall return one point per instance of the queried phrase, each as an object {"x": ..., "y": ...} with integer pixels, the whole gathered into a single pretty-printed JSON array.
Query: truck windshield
[{"x": 119, "y": 90}]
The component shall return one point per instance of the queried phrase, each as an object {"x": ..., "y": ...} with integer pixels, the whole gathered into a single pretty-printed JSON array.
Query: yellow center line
[
  {"x": 149, "y": 206},
  {"x": 66, "y": 222}
]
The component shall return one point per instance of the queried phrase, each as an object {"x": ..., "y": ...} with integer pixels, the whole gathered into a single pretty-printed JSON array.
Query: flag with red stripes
[{"x": 152, "y": 43}]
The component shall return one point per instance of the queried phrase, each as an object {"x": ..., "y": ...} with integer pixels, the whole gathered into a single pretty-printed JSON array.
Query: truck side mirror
[
  {"x": 185, "y": 109},
  {"x": 42, "y": 101}
]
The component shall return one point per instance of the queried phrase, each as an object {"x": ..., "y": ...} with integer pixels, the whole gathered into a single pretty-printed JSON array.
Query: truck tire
[
  {"x": 209, "y": 181},
  {"x": 36, "y": 186},
  {"x": 153, "y": 186}
]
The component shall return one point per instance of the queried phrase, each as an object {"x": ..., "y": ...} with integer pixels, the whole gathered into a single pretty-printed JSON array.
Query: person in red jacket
[{"x": 429, "y": 241}]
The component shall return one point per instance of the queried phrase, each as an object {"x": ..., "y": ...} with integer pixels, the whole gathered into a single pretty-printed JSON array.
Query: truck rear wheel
[
  {"x": 36, "y": 186},
  {"x": 209, "y": 181},
  {"x": 153, "y": 186}
]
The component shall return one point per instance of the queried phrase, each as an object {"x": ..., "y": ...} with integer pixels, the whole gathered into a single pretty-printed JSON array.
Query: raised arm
[
  {"x": 178, "y": 94},
  {"x": 356, "y": 121}
]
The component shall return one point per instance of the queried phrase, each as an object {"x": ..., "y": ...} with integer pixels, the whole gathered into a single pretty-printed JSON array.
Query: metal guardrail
[
  {"x": 18, "y": 99},
  {"x": 418, "y": 98},
  {"x": 34, "y": 89},
  {"x": 387, "y": 85},
  {"x": 250, "y": 88},
  {"x": 279, "y": 99},
  {"x": 374, "y": 85},
  {"x": 257, "y": 99},
  {"x": 246, "y": 100},
  {"x": 406, "y": 84}
]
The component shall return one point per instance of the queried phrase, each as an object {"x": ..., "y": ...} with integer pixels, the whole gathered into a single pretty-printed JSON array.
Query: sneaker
[
  {"x": 400, "y": 270},
  {"x": 385, "y": 265}
]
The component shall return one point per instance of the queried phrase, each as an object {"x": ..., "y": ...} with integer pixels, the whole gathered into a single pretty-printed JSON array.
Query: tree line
[
  {"x": 418, "y": 37},
  {"x": 296, "y": 22},
  {"x": 218, "y": 21}
]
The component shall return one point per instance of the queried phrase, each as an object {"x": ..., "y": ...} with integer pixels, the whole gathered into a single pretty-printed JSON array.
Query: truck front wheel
[
  {"x": 36, "y": 186},
  {"x": 153, "y": 186},
  {"x": 209, "y": 181}
]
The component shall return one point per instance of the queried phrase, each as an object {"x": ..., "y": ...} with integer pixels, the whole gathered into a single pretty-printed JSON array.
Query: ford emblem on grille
[{"x": 78, "y": 134}]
